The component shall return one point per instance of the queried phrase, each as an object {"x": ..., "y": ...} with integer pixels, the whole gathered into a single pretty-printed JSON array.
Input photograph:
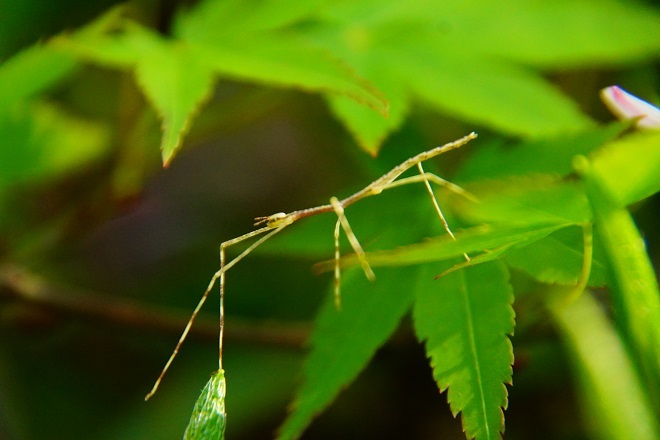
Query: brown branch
[{"x": 22, "y": 285}]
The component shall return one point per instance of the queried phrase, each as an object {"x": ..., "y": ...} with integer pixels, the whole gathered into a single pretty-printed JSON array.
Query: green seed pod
[{"x": 208, "y": 418}]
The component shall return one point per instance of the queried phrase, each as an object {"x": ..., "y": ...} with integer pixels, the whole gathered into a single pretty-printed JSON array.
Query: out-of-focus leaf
[
  {"x": 279, "y": 60},
  {"x": 498, "y": 95},
  {"x": 543, "y": 156},
  {"x": 611, "y": 390},
  {"x": 557, "y": 258},
  {"x": 568, "y": 33},
  {"x": 630, "y": 167},
  {"x": 177, "y": 83},
  {"x": 466, "y": 57},
  {"x": 466, "y": 318},
  {"x": 175, "y": 80},
  {"x": 275, "y": 56},
  {"x": 94, "y": 42},
  {"x": 636, "y": 294},
  {"x": 477, "y": 239},
  {"x": 237, "y": 16},
  {"x": 177, "y": 75},
  {"x": 40, "y": 141},
  {"x": 30, "y": 72},
  {"x": 343, "y": 341},
  {"x": 539, "y": 199},
  {"x": 208, "y": 419},
  {"x": 368, "y": 128}
]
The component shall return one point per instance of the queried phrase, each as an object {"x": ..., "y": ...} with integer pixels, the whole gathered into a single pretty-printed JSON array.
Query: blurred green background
[{"x": 103, "y": 254}]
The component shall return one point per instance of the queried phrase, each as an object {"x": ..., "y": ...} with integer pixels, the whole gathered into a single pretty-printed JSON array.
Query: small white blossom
[{"x": 626, "y": 106}]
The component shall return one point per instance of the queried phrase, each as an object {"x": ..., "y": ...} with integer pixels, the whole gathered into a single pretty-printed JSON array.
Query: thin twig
[{"x": 25, "y": 286}]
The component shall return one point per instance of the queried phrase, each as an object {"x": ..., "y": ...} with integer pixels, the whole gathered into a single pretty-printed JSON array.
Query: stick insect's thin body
[
  {"x": 277, "y": 222},
  {"x": 384, "y": 182}
]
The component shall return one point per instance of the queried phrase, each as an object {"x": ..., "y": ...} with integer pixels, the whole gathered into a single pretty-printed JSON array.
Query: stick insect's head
[{"x": 275, "y": 220}]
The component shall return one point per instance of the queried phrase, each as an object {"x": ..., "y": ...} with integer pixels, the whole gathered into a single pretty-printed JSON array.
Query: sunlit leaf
[
  {"x": 284, "y": 61},
  {"x": 466, "y": 319},
  {"x": 240, "y": 16},
  {"x": 466, "y": 58},
  {"x": 368, "y": 128},
  {"x": 501, "y": 96},
  {"x": 177, "y": 76},
  {"x": 275, "y": 57},
  {"x": 592, "y": 32},
  {"x": 176, "y": 82}
]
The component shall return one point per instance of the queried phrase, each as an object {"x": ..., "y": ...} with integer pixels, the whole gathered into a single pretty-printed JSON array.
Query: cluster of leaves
[
  {"x": 537, "y": 200},
  {"x": 534, "y": 217}
]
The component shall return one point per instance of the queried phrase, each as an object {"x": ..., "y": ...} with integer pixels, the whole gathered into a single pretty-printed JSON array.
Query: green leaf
[
  {"x": 610, "y": 388},
  {"x": 484, "y": 257},
  {"x": 237, "y": 16},
  {"x": 175, "y": 80},
  {"x": 420, "y": 44},
  {"x": 592, "y": 32},
  {"x": 208, "y": 419},
  {"x": 636, "y": 294},
  {"x": 496, "y": 159},
  {"x": 32, "y": 71},
  {"x": 343, "y": 341},
  {"x": 41, "y": 141},
  {"x": 272, "y": 56},
  {"x": 465, "y": 319},
  {"x": 279, "y": 60},
  {"x": 630, "y": 167},
  {"x": 557, "y": 259},
  {"x": 103, "y": 41},
  {"x": 466, "y": 58},
  {"x": 527, "y": 200},
  {"x": 482, "y": 91},
  {"x": 369, "y": 128},
  {"x": 177, "y": 83},
  {"x": 477, "y": 239},
  {"x": 177, "y": 75}
]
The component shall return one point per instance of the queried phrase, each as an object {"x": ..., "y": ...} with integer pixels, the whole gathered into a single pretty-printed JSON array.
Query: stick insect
[{"x": 275, "y": 223}]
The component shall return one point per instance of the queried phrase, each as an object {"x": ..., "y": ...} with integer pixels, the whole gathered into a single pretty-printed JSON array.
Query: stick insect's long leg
[
  {"x": 355, "y": 244},
  {"x": 437, "y": 207},
  {"x": 427, "y": 178},
  {"x": 432, "y": 178},
  {"x": 223, "y": 271},
  {"x": 218, "y": 275},
  {"x": 337, "y": 269}
]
